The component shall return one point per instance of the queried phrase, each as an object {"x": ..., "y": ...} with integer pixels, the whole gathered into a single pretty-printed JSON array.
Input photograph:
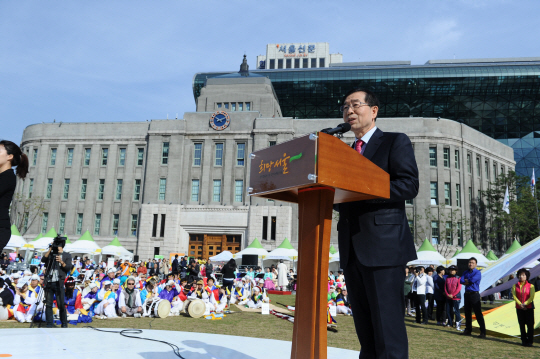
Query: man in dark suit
[
  {"x": 58, "y": 267},
  {"x": 375, "y": 241}
]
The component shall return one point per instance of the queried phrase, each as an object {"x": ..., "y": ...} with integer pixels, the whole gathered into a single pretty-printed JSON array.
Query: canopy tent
[
  {"x": 16, "y": 240},
  {"x": 469, "y": 251},
  {"x": 334, "y": 257},
  {"x": 456, "y": 253},
  {"x": 224, "y": 256},
  {"x": 85, "y": 245},
  {"x": 513, "y": 247},
  {"x": 427, "y": 255},
  {"x": 42, "y": 243},
  {"x": 115, "y": 248},
  {"x": 255, "y": 248},
  {"x": 38, "y": 237},
  {"x": 284, "y": 251},
  {"x": 332, "y": 249},
  {"x": 491, "y": 256}
]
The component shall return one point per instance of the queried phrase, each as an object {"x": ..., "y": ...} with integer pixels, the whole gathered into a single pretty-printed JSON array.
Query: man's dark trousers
[
  {"x": 377, "y": 297},
  {"x": 472, "y": 303},
  {"x": 55, "y": 288},
  {"x": 420, "y": 307}
]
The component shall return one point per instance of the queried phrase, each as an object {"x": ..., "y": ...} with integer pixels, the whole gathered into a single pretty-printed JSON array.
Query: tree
[{"x": 24, "y": 211}]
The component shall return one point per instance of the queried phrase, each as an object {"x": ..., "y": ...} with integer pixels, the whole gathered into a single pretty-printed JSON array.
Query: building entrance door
[{"x": 204, "y": 246}]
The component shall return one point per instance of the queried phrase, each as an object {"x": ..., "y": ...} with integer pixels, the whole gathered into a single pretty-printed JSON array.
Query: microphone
[{"x": 341, "y": 128}]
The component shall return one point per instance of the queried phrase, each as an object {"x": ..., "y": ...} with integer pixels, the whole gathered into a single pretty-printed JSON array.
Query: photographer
[{"x": 58, "y": 266}]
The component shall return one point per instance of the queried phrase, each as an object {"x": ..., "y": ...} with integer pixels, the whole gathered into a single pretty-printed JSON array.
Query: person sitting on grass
[
  {"x": 107, "y": 297},
  {"x": 24, "y": 302},
  {"x": 90, "y": 301},
  {"x": 523, "y": 293},
  {"x": 129, "y": 303},
  {"x": 255, "y": 300},
  {"x": 207, "y": 297},
  {"x": 239, "y": 294}
]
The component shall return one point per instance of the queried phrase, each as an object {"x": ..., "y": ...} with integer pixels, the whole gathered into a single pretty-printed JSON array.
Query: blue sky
[{"x": 100, "y": 61}]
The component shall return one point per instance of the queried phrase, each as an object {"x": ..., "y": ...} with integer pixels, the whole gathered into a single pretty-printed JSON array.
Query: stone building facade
[{"x": 180, "y": 185}]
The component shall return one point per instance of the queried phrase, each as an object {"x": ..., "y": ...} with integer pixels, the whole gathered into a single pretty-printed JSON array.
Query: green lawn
[{"x": 426, "y": 341}]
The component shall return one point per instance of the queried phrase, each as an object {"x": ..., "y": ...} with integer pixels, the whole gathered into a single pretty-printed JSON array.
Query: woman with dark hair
[
  {"x": 228, "y": 274},
  {"x": 10, "y": 156},
  {"x": 523, "y": 293}
]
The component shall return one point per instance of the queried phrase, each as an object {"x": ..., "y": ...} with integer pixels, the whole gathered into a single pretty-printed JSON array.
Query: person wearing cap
[
  {"x": 111, "y": 274},
  {"x": 129, "y": 303},
  {"x": 147, "y": 294},
  {"x": 60, "y": 266},
  {"x": 170, "y": 291},
  {"x": 239, "y": 294},
  {"x": 24, "y": 302},
  {"x": 255, "y": 300},
  {"x": 107, "y": 297},
  {"x": 34, "y": 284},
  {"x": 73, "y": 299},
  {"x": 89, "y": 301},
  {"x": 452, "y": 290},
  {"x": 471, "y": 279},
  {"x": 206, "y": 296}
]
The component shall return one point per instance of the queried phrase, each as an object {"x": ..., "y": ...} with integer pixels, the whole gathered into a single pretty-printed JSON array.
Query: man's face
[
  {"x": 199, "y": 287},
  {"x": 421, "y": 270},
  {"x": 94, "y": 290},
  {"x": 34, "y": 283},
  {"x": 472, "y": 264},
  {"x": 130, "y": 284},
  {"x": 111, "y": 275},
  {"x": 143, "y": 276},
  {"x": 361, "y": 119},
  {"x": 115, "y": 287},
  {"x": 442, "y": 272}
]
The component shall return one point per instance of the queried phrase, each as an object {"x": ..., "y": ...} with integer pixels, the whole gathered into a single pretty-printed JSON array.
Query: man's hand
[
  {"x": 450, "y": 296},
  {"x": 416, "y": 274},
  {"x": 466, "y": 282},
  {"x": 59, "y": 260}
]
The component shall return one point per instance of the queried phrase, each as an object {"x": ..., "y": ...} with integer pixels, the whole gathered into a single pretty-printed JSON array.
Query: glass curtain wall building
[{"x": 498, "y": 97}]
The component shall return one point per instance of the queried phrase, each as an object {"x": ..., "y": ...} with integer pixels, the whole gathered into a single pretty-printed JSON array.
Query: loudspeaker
[
  {"x": 136, "y": 258},
  {"x": 250, "y": 259},
  {"x": 462, "y": 266}
]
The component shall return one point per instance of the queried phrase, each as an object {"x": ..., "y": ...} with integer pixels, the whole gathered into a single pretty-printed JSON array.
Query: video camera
[{"x": 58, "y": 242}]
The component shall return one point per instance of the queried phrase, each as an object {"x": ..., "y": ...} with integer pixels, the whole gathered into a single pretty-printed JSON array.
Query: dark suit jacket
[
  {"x": 377, "y": 230},
  {"x": 62, "y": 271}
]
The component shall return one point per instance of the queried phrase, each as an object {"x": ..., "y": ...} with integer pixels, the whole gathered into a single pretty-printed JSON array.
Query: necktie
[{"x": 358, "y": 146}]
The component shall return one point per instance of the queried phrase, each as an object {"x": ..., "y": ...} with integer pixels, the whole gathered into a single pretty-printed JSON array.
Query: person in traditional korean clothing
[
  {"x": 73, "y": 300},
  {"x": 255, "y": 300},
  {"x": 111, "y": 274},
  {"x": 210, "y": 287},
  {"x": 24, "y": 302},
  {"x": 107, "y": 306},
  {"x": 129, "y": 303},
  {"x": 221, "y": 302},
  {"x": 203, "y": 294},
  {"x": 90, "y": 301},
  {"x": 34, "y": 284},
  {"x": 7, "y": 295},
  {"x": 342, "y": 303},
  {"x": 239, "y": 294}
]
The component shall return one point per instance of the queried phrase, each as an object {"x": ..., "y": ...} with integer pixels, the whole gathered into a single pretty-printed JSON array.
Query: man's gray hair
[{"x": 131, "y": 278}]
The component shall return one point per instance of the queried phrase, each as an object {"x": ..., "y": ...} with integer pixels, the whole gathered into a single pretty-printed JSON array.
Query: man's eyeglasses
[{"x": 354, "y": 106}]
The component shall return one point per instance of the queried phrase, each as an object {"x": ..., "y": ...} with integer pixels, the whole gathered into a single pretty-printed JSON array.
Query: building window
[
  {"x": 122, "y": 157},
  {"x": 162, "y": 188},
  {"x": 49, "y": 188},
  {"x": 486, "y": 163},
  {"x": 219, "y": 105},
  {"x": 434, "y": 232},
  {"x": 449, "y": 239},
  {"x": 409, "y": 201},
  {"x": 433, "y": 193},
  {"x": 313, "y": 63},
  {"x": 69, "y": 161},
  {"x": 479, "y": 194},
  {"x": 66, "y": 188},
  {"x": 101, "y": 188},
  {"x": 411, "y": 227},
  {"x": 233, "y": 106},
  {"x": 116, "y": 220},
  {"x": 34, "y": 161},
  {"x": 197, "y": 154},
  {"x": 219, "y": 154},
  {"x": 459, "y": 234},
  {"x": 84, "y": 183},
  {"x": 469, "y": 165},
  {"x": 30, "y": 188},
  {"x": 44, "y": 221},
  {"x": 272, "y": 64},
  {"x": 137, "y": 190},
  {"x": 446, "y": 157},
  {"x": 217, "y": 191},
  {"x": 478, "y": 173},
  {"x": 118, "y": 195},
  {"x": 79, "y": 223},
  {"x": 97, "y": 224},
  {"x": 140, "y": 156},
  {"x": 458, "y": 195},
  {"x": 280, "y": 63},
  {"x": 433, "y": 156},
  {"x": 165, "y": 153},
  {"x": 273, "y": 229},
  {"x": 62, "y": 223},
  {"x": 195, "y": 190},
  {"x": 447, "y": 198},
  {"x": 134, "y": 222},
  {"x": 154, "y": 226},
  {"x": 25, "y": 222},
  {"x": 305, "y": 63},
  {"x": 162, "y": 229},
  {"x": 470, "y": 195},
  {"x": 238, "y": 190},
  {"x": 226, "y": 105},
  {"x": 240, "y": 106},
  {"x": 265, "y": 228},
  {"x": 456, "y": 159},
  {"x": 248, "y": 106},
  {"x": 104, "y": 156},
  {"x": 87, "y": 153},
  {"x": 53, "y": 157},
  {"x": 271, "y": 143},
  {"x": 289, "y": 63},
  {"x": 240, "y": 154},
  {"x": 321, "y": 62},
  {"x": 494, "y": 171},
  {"x": 296, "y": 63}
]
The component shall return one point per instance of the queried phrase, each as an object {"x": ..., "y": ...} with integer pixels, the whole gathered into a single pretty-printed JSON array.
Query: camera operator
[{"x": 59, "y": 265}]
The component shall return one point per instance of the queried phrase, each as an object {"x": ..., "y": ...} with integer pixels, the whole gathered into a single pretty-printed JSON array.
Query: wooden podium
[{"x": 315, "y": 171}]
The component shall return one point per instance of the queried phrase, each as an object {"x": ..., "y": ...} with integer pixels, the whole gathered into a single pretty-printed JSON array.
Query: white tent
[
  {"x": 42, "y": 243},
  {"x": 334, "y": 257},
  {"x": 224, "y": 256},
  {"x": 115, "y": 248},
  {"x": 283, "y": 253},
  {"x": 15, "y": 242},
  {"x": 255, "y": 248},
  {"x": 85, "y": 245},
  {"x": 427, "y": 254}
]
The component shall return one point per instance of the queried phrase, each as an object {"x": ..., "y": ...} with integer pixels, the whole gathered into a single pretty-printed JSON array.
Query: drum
[
  {"x": 159, "y": 308},
  {"x": 195, "y": 308}
]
